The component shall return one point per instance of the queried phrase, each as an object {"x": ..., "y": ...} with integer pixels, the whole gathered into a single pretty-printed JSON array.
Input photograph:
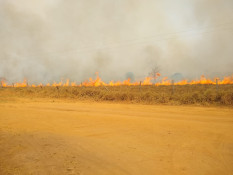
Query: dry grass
[{"x": 187, "y": 94}]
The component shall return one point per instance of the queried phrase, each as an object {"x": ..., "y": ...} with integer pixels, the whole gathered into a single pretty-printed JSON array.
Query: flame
[
  {"x": 147, "y": 81},
  {"x": 24, "y": 84}
]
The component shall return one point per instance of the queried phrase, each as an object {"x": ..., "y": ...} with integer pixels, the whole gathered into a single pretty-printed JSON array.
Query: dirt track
[{"x": 91, "y": 138}]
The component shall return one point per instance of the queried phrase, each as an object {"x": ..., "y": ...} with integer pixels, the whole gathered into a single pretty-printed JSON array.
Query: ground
[{"x": 47, "y": 137}]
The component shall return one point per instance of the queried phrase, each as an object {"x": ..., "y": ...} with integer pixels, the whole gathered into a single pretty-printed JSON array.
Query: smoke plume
[{"x": 46, "y": 40}]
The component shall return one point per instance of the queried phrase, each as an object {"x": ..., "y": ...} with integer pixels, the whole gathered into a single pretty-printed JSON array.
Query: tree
[{"x": 154, "y": 73}]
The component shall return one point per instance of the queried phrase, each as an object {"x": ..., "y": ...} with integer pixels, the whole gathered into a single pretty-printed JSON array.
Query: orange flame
[{"x": 147, "y": 81}]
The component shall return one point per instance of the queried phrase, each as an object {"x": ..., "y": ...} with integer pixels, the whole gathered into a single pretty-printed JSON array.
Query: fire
[{"x": 147, "y": 81}]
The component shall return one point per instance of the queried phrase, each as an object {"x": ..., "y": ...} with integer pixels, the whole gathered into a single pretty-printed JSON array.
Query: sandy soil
[{"x": 100, "y": 138}]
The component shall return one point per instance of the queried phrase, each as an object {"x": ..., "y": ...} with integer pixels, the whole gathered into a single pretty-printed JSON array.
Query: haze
[{"x": 46, "y": 40}]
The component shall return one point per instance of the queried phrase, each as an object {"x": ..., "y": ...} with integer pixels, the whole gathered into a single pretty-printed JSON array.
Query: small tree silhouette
[{"x": 154, "y": 73}]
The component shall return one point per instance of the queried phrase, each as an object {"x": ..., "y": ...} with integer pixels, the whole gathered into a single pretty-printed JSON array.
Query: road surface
[{"x": 100, "y": 138}]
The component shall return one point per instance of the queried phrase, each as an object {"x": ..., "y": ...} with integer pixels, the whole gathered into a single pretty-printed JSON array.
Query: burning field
[{"x": 200, "y": 92}]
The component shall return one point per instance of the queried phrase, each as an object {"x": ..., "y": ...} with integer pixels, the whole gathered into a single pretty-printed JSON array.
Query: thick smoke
[{"x": 46, "y": 40}]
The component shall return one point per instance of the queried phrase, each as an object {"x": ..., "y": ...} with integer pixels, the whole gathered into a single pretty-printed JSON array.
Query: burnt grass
[{"x": 175, "y": 95}]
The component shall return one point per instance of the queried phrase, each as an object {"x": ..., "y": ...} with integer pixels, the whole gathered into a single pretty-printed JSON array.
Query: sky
[{"x": 49, "y": 40}]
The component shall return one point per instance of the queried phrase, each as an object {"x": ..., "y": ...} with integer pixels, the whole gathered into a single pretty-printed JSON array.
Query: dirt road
[{"x": 98, "y": 138}]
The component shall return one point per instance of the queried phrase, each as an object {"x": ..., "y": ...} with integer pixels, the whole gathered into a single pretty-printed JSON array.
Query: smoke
[{"x": 46, "y": 40}]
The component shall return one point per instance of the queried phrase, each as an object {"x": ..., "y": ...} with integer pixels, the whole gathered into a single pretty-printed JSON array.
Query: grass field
[{"x": 174, "y": 95}]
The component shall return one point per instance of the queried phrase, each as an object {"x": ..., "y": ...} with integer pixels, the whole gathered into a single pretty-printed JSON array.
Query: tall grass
[{"x": 186, "y": 94}]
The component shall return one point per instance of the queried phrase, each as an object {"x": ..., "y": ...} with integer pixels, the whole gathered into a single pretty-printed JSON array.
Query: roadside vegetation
[{"x": 175, "y": 95}]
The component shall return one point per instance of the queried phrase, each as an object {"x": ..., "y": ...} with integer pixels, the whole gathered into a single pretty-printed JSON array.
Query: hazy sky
[{"x": 46, "y": 40}]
